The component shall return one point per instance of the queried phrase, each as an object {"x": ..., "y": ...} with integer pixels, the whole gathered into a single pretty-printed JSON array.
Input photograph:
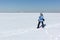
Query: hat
[{"x": 41, "y": 14}]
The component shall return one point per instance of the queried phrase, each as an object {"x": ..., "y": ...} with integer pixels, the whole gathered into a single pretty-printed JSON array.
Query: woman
[{"x": 40, "y": 20}]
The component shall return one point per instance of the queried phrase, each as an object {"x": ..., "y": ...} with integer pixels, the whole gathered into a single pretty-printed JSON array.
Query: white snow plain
[{"x": 22, "y": 26}]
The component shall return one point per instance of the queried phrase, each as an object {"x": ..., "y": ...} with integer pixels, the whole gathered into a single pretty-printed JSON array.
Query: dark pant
[{"x": 39, "y": 24}]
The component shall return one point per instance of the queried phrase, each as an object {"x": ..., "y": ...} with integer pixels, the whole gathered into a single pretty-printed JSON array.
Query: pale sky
[{"x": 29, "y": 5}]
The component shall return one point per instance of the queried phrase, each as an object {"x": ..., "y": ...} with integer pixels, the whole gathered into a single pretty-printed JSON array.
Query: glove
[{"x": 43, "y": 19}]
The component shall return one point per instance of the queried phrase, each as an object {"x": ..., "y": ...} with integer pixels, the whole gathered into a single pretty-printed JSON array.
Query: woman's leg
[
  {"x": 42, "y": 24},
  {"x": 38, "y": 24}
]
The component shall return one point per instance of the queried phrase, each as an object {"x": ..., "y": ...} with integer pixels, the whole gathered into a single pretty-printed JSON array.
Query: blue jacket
[{"x": 41, "y": 19}]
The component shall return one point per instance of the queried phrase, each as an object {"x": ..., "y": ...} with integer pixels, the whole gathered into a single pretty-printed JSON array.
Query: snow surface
[{"x": 22, "y": 26}]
